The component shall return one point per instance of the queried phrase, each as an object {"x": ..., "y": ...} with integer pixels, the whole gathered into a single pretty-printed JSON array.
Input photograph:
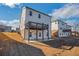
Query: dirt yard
[{"x": 12, "y": 44}]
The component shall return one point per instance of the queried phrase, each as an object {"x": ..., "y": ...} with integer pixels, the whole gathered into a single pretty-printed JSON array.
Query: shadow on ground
[
  {"x": 66, "y": 43},
  {"x": 11, "y": 47}
]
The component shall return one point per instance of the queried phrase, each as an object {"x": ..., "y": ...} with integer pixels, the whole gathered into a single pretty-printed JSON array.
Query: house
[
  {"x": 35, "y": 25},
  {"x": 4, "y": 28},
  {"x": 75, "y": 31},
  {"x": 15, "y": 29},
  {"x": 60, "y": 29}
]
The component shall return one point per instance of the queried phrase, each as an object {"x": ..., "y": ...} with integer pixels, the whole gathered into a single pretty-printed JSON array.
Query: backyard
[{"x": 12, "y": 44}]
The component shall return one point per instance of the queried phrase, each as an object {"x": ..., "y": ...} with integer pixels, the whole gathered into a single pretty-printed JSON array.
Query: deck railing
[{"x": 35, "y": 25}]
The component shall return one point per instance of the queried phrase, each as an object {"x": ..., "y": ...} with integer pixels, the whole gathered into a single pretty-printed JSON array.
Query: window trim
[
  {"x": 30, "y": 13},
  {"x": 39, "y": 15}
]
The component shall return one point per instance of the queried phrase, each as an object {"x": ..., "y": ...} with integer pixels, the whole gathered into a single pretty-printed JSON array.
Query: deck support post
[
  {"x": 42, "y": 31},
  {"x": 28, "y": 31},
  {"x": 48, "y": 31},
  {"x": 36, "y": 31}
]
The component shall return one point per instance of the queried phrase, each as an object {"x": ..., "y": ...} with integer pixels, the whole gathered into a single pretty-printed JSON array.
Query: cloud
[
  {"x": 14, "y": 23},
  {"x": 50, "y": 14},
  {"x": 3, "y": 22},
  {"x": 68, "y": 11},
  {"x": 11, "y": 5}
]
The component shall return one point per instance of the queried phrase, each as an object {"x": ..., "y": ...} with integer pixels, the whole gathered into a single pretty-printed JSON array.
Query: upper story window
[
  {"x": 30, "y": 13},
  {"x": 39, "y": 16}
]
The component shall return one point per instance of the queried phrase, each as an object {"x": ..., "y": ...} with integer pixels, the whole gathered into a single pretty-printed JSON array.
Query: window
[
  {"x": 62, "y": 24},
  {"x": 47, "y": 33},
  {"x": 62, "y": 34},
  {"x": 39, "y": 34},
  {"x": 39, "y": 16},
  {"x": 60, "y": 28},
  {"x": 55, "y": 22},
  {"x": 30, "y": 34},
  {"x": 30, "y": 13}
]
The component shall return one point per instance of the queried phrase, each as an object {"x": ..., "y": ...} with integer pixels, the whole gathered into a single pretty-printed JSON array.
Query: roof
[
  {"x": 37, "y": 11},
  {"x": 61, "y": 21}
]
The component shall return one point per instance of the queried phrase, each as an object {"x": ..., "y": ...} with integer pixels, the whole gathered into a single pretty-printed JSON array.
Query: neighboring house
[
  {"x": 75, "y": 30},
  {"x": 60, "y": 29},
  {"x": 4, "y": 28},
  {"x": 35, "y": 25},
  {"x": 17, "y": 29}
]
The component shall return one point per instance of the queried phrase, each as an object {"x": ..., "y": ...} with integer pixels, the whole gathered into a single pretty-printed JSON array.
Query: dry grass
[{"x": 12, "y": 43}]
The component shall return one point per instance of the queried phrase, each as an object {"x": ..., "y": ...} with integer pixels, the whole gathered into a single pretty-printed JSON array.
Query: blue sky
[{"x": 10, "y": 14}]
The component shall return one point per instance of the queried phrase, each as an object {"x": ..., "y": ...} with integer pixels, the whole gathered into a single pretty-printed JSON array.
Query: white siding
[
  {"x": 63, "y": 26},
  {"x": 22, "y": 22},
  {"x": 54, "y": 26},
  {"x": 25, "y": 17},
  {"x": 60, "y": 26}
]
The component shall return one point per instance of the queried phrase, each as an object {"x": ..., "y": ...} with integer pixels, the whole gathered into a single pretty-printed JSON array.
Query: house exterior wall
[
  {"x": 54, "y": 29},
  {"x": 4, "y": 28},
  {"x": 63, "y": 26},
  {"x": 17, "y": 29},
  {"x": 54, "y": 26},
  {"x": 60, "y": 27},
  {"x": 7, "y": 29},
  {"x": 22, "y": 22},
  {"x": 25, "y": 18}
]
